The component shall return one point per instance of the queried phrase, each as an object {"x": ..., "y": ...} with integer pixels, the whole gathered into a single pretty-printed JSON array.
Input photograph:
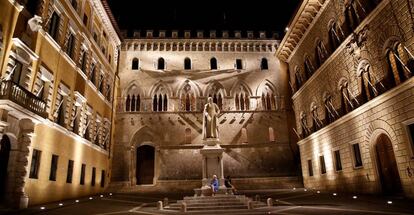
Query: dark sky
[{"x": 204, "y": 15}]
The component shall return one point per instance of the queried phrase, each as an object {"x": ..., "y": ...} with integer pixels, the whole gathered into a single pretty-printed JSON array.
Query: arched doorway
[
  {"x": 145, "y": 165},
  {"x": 387, "y": 166},
  {"x": 4, "y": 161}
]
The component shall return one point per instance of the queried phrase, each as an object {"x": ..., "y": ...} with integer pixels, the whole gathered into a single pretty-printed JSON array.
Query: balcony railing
[{"x": 13, "y": 92}]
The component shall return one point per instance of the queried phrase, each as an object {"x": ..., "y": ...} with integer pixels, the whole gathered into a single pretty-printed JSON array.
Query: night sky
[{"x": 204, "y": 15}]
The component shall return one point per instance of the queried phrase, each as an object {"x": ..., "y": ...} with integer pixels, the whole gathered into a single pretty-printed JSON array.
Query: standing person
[
  {"x": 214, "y": 184},
  {"x": 228, "y": 184}
]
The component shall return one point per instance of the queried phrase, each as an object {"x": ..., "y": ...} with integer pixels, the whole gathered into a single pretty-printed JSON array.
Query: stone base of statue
[{"x": 212, "y": 165}]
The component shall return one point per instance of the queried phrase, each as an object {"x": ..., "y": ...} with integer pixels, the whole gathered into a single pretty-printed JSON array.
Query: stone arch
[
  {"x": 390, "y": 43},
  {"x": 376, "y": 129},
  {"x": 236, "y": 86},
  {"x": 363, "y": 66},
  {"x": 132, "y": 88},
  {"x": 218, "y": 85},
  {"x": 342, "y": 82},
  {"x": 144, "y": 135},
  {"x": 160, "y": 85},
  {"x": 266, "y": 83},
  {"x": 194, "y": 86}
]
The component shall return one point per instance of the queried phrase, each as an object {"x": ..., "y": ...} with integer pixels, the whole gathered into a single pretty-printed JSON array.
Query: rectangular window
[
  {"x": 60, "y": 119},
  {"x": 322, "y": 162},
  {"x": 53, "y": 168},
  {"x": 357, "y": 155},
  {"x": 310, "y": 168},
  {"x": 82, "y": 177},
  {"x": 34, "y": 166},
  {"x": 74, "y": 4},
  {"x": 85, "y": 19},
  {"x": 83, "y": 61},
  {"x": 103, "y": 178},
  {"x": 54, "y": 26},
  {"x": 70, "y": 45},
  {"x": 93, "y": 176},
  {"x": 239, "y": 64},
  {"x": 411, "y": 134},
  {"x": 338, "y": 162},
  {"x": 70, "y": 172}
]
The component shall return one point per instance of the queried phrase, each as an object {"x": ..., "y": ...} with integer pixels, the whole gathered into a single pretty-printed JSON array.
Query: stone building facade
[
  {"x": 165, "y": 82},
  {"x": 58, "y": 61},
  {"x": 351, "y": 65}
]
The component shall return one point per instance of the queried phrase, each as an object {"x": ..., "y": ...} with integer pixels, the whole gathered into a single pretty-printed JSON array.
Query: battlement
[{"x": 199, "y": 34}]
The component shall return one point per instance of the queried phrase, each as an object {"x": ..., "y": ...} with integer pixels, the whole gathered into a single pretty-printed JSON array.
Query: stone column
[{"x": 24, "y": 140}]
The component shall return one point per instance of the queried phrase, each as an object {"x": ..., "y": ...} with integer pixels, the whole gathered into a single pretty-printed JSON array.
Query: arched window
[
  {"x": 271, "y": 135},
  {"x": 213, "y": 63},
  {"x": 165, "y": 107},
  {"x": 304, "y": 125},
  {"x": 187, "y": 63},
  {"x": 368, "y": 89},
  {"x": 133, "y": 102},
  {"x": 401, "y": 63},
  {"x": 336, "y": 36},
  {"x": 187, "y": 136},
  {"x": 188, "y": 100},
  {"x": 138, "y": 103},
  {"x": 347, "y": 99},
  {"x": 309, "y": 69},
  {"x": 263, "y": 64},
  {"x": 298, "y": 79},
  {"x": 356, "y": 11},
  {"x": 218, "y": 99},
  {"x": 242, "y": 101},
  {"x": 155, "y": 103},
  {"x": 160, "y": 102},
  {"x": 239, "y": 64},
  {"x": 321, "y": 53},
  {"x": 161, "y": 63},
  {"x": 316, "y": 122},
  {"x": 330, "y": 111},
  {"x": 268, "y": 99},
  {"x": 135, "y": 64},
  {"x": 128, "y": 103}
]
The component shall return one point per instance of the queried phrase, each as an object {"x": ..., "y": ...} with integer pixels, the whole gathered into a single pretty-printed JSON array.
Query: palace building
[
  {"x": 87, "y": 108},
  {"x": 357, "y": 128},
  {"x": 56, "y": 99},
  {"x": 164, "y": 85}
]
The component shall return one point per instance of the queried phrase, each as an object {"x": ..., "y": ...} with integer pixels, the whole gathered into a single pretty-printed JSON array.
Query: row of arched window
[
  {"x": 188, "y": 102},
  {"x": 355, "y": 12},
  {"x": 400, "y": 62},
  {"x": 161, "y": 64}
]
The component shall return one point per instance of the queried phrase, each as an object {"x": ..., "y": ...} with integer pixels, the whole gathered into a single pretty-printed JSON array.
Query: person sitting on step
[
  {"x": 214, "y": 184},
  {"x": 228, "y": 184}
]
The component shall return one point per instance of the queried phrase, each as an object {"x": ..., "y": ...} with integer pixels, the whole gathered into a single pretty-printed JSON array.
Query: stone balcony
[{"x": 10, "y": 91}]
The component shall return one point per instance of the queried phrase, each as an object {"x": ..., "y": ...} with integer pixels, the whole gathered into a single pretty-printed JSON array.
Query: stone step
[
  {"x": 227, "y": 212},
  {"x": 208, "y": 204},
  {"x": 209, "y": 208},
  {"x": 229, "y": 201},
  {"x": 214, "y": 197}
]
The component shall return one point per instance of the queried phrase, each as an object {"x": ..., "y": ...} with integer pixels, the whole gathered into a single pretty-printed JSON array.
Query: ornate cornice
[{"x": 299, "y": 27}]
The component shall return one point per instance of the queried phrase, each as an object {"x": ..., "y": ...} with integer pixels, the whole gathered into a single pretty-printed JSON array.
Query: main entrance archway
[
  {"x": 145, "y": 165},
  {"x": 4, "y": 161},
  {"x": 387, "y": 166}
]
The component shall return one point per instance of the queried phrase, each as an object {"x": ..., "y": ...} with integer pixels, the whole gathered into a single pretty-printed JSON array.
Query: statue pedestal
[{"x": 212, "y": 165}]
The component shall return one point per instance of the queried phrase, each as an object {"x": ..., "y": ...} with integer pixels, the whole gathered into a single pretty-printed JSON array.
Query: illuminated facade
[
  {"x": 357, "y": 128},
  {"x": 58, "y": 73},
  {"x": 164, "y": 84}
]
